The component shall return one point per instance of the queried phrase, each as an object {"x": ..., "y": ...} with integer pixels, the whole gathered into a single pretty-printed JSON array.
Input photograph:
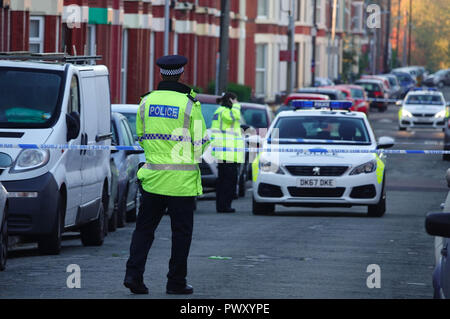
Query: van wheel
[
  {"x": 132, "y": 214},
  {"x": 51, "y": 244},
  {"x": 262, "y": 208},
  {"x": 93, "y": 233},
  {"x": 3, "y": 243}
]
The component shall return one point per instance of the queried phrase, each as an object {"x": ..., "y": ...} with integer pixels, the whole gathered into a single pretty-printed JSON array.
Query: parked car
[
  {"x": 412, "y": 71},
  {"x": 357, "y": 95},
  {"x": 406, "y": 82},
  {"x": 208, "y": 166},
  {"x": 384, "y": 81},
  {"x": 53, "y": 190},
  {"x": 440, "y": 79},
  {"x": 438, "y": 224},
  {"x": 374, "y": 89},
  {"x": 323, "y": 82},
  {"x": 332, "y": 93},
  {"x": 3, "y": 226},
  {"x": 258, "y": 116},
  {"x": 287, "y": 105},
  {"x": 127, "y": 162},
  {"x": 395, "y": 88}
]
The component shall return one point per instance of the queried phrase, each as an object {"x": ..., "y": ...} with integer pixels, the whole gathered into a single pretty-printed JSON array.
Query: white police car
[
  {"x": 422, "y": 108},
  {"x": 307, "y": 172}
]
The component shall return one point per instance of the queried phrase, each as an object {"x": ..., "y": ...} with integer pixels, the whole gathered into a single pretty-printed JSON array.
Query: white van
[{"x": 53, "y": 190}]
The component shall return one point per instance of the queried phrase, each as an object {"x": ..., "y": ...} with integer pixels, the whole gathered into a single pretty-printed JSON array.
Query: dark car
[
  {"x": 440, "y": 79},
  {"x": 438, "y": 224},
  {"x": 406, "y": 82},
  {"x": 126, "y": 163},
  {"x": 374, "y": 90}
]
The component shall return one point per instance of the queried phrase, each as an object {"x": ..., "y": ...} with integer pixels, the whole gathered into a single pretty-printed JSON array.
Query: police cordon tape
[{"x": 222, "y": 149}]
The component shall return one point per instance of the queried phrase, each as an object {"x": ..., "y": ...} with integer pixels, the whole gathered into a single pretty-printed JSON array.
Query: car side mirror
[
  {"x": 438, "y": 224},
  {"x": 73, "y": 125},
  {"x": 385, "y": 142},
  {"x": 398, "y": 103}
]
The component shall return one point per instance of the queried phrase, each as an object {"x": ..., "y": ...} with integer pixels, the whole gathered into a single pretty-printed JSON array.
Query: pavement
[{"x": 298, "y": 253}]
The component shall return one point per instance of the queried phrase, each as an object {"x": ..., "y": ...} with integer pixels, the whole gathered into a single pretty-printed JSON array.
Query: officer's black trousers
[
  {"x": 181, "y": 212},
  {"x": 226, "y": 185}
]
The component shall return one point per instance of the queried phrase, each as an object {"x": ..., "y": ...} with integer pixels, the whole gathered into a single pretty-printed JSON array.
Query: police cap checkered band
[
  {"x": 172, "y": 72},
  {"x": 172, "y": 64}
]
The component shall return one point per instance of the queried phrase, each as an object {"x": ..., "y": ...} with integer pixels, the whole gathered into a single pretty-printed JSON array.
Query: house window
[
  {"x": 299, "y": 10},
  {"x": 263, "y": 8},
  {"x": 36, "y": 34},
  {"x": 261, "y": 70},
  {"x": 318, "y": 12}
]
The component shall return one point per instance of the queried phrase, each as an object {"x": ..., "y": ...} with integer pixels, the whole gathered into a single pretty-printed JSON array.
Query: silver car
[{"x": 3, "y": 227}]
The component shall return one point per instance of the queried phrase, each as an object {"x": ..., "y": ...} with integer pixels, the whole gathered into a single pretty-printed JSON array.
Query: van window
[
  {"x": 29, "y": 97},
  {"x": 74, "y": 98},
  {"x": 129, "y": 132}
]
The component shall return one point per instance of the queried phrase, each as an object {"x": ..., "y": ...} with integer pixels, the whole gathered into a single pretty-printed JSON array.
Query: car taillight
[{"x": 378, "y": 94}]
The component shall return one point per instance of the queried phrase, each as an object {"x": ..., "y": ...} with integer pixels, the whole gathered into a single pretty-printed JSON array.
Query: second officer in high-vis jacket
[
  {"x": 172, "y": 132},
  {"x": 228, "y": 149}
]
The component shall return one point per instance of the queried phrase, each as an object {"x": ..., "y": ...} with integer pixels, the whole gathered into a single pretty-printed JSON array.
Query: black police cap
[{"x": 172, "y": 64}]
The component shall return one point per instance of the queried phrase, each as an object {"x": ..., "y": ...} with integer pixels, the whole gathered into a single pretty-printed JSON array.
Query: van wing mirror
[{"x": 73, "y": 125}]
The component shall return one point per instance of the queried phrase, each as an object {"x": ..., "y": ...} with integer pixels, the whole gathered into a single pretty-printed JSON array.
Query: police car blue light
[
  {"x": 333, "y": 105},
  {"x": 424, "y": 89}
]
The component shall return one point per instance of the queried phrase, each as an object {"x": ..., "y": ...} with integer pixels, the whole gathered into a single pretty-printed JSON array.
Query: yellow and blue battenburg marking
[{"x": 165, "y": 111}]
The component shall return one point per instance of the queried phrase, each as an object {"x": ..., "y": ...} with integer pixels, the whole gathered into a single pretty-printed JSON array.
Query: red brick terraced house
[{"x": 129, "y": 35}]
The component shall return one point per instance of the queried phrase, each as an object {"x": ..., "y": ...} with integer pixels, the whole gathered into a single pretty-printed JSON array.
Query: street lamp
[{"x": 291, "y": 46}]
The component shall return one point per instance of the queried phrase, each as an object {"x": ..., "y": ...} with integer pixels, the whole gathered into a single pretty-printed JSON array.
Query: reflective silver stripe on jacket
[
  {"x": 187, "y": 114},
  {"x": 142, "y": 113},
  {"x": 171, "y": 167}
]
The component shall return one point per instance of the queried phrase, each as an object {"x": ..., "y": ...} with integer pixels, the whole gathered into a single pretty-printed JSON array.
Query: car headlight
[
  {"x": 366, "y": 168},
  {"x": 440, "y": 114},
  {"x": 270, "y": 167},
  {"x": 406, "y": 113},
  {"x": 30, "y": 159}
]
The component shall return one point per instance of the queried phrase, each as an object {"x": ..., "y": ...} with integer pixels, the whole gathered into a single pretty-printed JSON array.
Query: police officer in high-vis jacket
[
  {"x": 228, "y": 149},
  {"x": 172, "y": 132}
]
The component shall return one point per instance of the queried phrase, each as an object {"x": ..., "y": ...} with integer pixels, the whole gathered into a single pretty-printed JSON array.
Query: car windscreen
[
  {"x": 331, "y": 95},
  {"x": 255, "y": 117},
  {"x": 131, "y": 117},
  {"x": 357, "y": 93},
  {"x": 417, "y": 99},
  {"x": 369, "y": 86},
  {"x": 208, "y": 111},
  {"x": 29, "y": 98},
  {"x": 403, "y": 77},
  {"x": 320, "y": 130}
]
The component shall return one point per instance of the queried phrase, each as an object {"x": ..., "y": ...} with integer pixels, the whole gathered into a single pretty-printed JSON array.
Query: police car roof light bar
[
  {"x": 59, "y": 57},
  {"x": 314, "y": 104},
  {"x": 425, "y": 89}
]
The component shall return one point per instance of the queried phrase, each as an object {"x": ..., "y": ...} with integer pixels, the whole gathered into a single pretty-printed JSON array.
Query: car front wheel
[{"x": 379, "y": 208}]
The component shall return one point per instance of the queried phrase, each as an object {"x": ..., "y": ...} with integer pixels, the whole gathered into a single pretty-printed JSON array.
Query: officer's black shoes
[
  {"x": 135, "y": 286},
  {"x": 226, "y": 210},
  {"x": 187, "y": 290}
]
